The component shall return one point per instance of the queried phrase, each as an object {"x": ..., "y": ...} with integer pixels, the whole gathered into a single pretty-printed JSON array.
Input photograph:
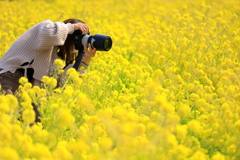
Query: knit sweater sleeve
[{"x": 52, "y": 34}]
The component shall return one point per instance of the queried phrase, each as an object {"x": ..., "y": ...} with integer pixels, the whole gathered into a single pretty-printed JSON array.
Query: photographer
[{"x": 33, "y": 53}]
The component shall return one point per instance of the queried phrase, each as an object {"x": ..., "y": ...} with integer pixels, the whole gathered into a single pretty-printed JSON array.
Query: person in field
[{"x": 33, "y": 53}]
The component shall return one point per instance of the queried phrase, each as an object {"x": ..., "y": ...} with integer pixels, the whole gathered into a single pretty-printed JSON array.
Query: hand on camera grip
[
  {"x": 81, "y": 26},
  {"x": 89, "y": 53}
]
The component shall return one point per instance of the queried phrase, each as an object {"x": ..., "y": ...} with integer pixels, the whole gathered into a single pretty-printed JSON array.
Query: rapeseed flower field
[{"x": 169, "y": 88}]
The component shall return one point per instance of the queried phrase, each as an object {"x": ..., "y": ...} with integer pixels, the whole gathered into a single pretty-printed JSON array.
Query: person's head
[{"x": 66, "y": 51}]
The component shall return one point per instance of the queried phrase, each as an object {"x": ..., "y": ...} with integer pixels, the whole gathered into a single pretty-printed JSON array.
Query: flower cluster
[{"x": 168, "y": 88}]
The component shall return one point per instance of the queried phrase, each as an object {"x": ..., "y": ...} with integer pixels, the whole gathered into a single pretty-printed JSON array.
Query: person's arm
[
  {"x": 55, "y": 33},
  {"x": 52, "y": 34}
]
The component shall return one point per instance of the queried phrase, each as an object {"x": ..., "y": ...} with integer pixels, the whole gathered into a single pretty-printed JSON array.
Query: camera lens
[
  {"x": 107, "y": 43},
  {"x": 98, "y": 41},
  {"x": 101, "y": 42}
]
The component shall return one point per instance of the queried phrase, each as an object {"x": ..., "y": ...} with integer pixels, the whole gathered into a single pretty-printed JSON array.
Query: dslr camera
[{"x": 98, "y": 41}]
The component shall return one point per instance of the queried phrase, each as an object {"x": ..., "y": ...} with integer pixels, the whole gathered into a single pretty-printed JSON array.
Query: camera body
[{"x": 98, "y": 41}]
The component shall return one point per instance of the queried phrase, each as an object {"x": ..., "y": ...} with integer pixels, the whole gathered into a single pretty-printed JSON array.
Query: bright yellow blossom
[
  {"x": 65, "y": 118},
  {"x": 28, "y": 116},
  {"x": 9, "y": 153}
]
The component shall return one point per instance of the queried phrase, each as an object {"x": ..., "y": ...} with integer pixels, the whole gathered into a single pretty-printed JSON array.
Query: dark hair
[{"x": 65, "y": 51}]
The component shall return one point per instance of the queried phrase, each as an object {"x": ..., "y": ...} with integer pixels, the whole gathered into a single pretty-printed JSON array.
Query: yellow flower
[
  {"x": 228, "y": 114},
  {"x": 119, "y": 112},
  {"x": 225, "y": 106},
  {"x": 99, "y": 130},
  {"x": 64, "y": 117},
  {"x": 28, "y": 145},
  {"x": 59, "y": 63},
  {"x": 237, "y": 97},
  {"x": 97, "y": 22},
  {"x": 201, "y": 103},
  {"x": 236, "y": 41},
  {"x": 221, "y": 91},
  {"x": 25, "y": 97},
  {"x": 4, "y": 107},
  {"x": 140, "y": 142},
  {"x": 181, "y": 132},
  {"x": 71, "y": 72},
  {"x": 83, "y": 101},
  {"x": 237, "y": 125},
  {"x": 60, "y": 72},
  {"x": 50, "y": 81},
  {"x": 36, "y": 89},
  {"x": 128, "y": 128},
  {"x": 27, "y": 85},
  {"x": 105, "y": 143},
  {"x": 58, "y": 90},
  {"x": 195, "y": 127},
  {"x": 28, "y": 116},
  {"x": 5, "y": 133},
  {"x": 23, "y": 80},
  {"x": 232, "y": 149},
  {"x": 140, "y": 129},
  {"x": 190, "y": 87},
  {"x": 193, "y": 96},
  {"x": 9, "y": 153},
  {"x": 91, "y": 119},
  {"x": 95, "y": 146},
  {"x": 53, "y": 82},
  {"x": 16, "y": 129},
  {"x": 40, "y": 151},
  {"x": 163, "y": 104},
  {"x": 105, "y": 113},
  {"x": 42, "y": 92},
  {"x": 54, "y": 106},
  {"x": 172, "y": 141},
  {"x": 68, "y": 92},
  {"x": 199, "y": 155},
  {"x": 81, "y": 147},
  {"x": 61, "y": 152},
  {"x": 184, "y": 110},
  {"x": 218, "y": 156},
  {"x": 45, "y": 79},
  {"x": 182, "y": 152},
  {"x": 132, "y": 116},
  {"x": 168, "y": 82}
]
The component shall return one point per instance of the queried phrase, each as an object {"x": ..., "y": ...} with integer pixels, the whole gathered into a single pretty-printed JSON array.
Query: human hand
[
  {"x": 89, "y": 53},
  {"x": 81, "y": 26}
]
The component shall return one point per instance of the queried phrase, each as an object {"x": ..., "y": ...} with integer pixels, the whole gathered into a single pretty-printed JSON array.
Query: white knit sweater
[{"x": 38, "y": 44}]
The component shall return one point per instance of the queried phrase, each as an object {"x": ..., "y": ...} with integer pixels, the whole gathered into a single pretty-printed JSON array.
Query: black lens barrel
[
  {"x": 101, "y": 42},
  {"x": 98, "y": 41}
]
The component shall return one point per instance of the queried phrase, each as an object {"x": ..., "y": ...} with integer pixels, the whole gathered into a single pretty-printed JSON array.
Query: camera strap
[{"x": 77, "y": 60}]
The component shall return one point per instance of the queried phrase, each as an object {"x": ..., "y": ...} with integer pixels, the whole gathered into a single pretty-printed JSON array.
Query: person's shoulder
[{"x": 46, "y": 21}]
